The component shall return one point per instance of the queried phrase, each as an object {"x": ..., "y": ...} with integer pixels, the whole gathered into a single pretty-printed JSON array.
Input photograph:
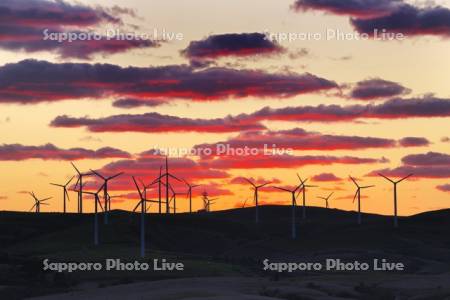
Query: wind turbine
[
  {"x": 97, "y": 203},
  {"x": 326, "y": 199},
  {"x": 189, "y": 193},
  {"x": 395, "y": 194},
  {"x": 65, "y": 193},
  {"x": 358, "y": 193},
  {"x": 105, "y": 191},
  {"x": 174, "y": 198},
  {"x": 294, "y": 204},
  {"x": 304, "y": 186},
  {"x": 207, "y": 202},
  {"x": 143, "y": 204},
  {"x": 255, "y": 196},
  {"x": 80, "y": 182},
  {"x": 167, "y": 175},
  {"x": 38, "y": 202}
]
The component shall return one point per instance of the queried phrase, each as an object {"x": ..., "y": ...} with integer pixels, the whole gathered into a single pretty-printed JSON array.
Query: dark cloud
[
  {"x": 428, "y": 165},
  {"x": 133, "y": 103},
  {"x": 17, "y": 152},
  {"x": 428, "y": 159},
  {"x": 414, "y": 142},
  {"x": 155, "y": 123},
  {"x": 392, "y": 109},
  {"x": 299, "y": 139},
  {"x": 231, "y": 44},
  {"x": 445, "y": 139},
  {"x": 443, "y": 188},
  {"x": 394, "y": 16},
  {"x": 280, "y": 161},
  {"x": 258, "y": 181},
  {"x": 409, "y": 20},
  {"x": 356, "y": 8},
  {"x": 418, "y": 171},
  {"x": 32, "y": 81},
  {"x": 377, "y": 88},
  {"x": 146, "y": 167},
  {"x": 23, "y": 25},
  {"x": 326, "y": 177}
]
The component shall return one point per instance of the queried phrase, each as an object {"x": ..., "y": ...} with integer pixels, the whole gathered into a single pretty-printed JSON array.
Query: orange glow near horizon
[{"x": 421, "y": 64}]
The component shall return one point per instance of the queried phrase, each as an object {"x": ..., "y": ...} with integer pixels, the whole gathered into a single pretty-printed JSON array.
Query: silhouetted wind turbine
[
  {"x": 189, "y": 193},
  {"x": 143, "y": 203},
  {"x": 80, "y": 182},
  {"x": 38, "y": 202},
  {"x": 358, "y": 193},
  {"x": 65, "y": 193},
  {"x": 105, "y": 191},
  {"x": 326, "y": 199},
  {"x": 174, "y": 198},
  {"x": 96, "y": 204},
  {"x": 255, "y": 196},
  {"x": 207, "y": 202},
  {"x": 395, "y": 194},
  {"x": 167, "y": 175},
  {"x": 294, "y": 204},
  {"x": 304, "y": 186}
]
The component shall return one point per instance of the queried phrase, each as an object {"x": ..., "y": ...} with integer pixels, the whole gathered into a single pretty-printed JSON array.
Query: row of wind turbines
[
  {"x": 169, "y": 203},
  {"x": 302, "y": 187}
]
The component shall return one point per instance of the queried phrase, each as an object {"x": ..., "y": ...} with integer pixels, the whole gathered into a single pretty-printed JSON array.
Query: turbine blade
[
  {"x": 70, "y": 180},
  {"x": 367, "y": 186},
  {"x": 67, "y": 195},
  {"x": 356, "y": 194},
  {"x": 174, "y": 177},
  {"x": 405, "y": 178},
  {"x": 385, "y": 177},
  {"x": 55, "y": 184},
  {"x": 249, "y": 182},
  {"x": 76, "y": 169},
  {"x": 354, "y": 181},
  {"x": 282, "y": 189},
  {"x": 99, "y": 203},
  {"x": 98, "y": 174},
  {"x": 114, "y": 176},
  {"x": 137, "y": 205},
  {"x": 137, "y": 187},
  {"x": 33, "y": 207}
]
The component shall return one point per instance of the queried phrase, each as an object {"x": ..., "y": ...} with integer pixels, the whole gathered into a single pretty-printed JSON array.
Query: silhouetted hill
[{"x": 223, "y": 242}]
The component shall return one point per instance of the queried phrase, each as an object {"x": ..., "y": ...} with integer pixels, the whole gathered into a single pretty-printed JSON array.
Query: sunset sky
[{"x": 346, "y": 106}]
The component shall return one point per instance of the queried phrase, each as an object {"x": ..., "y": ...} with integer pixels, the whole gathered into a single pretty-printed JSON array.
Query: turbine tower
[
  {"x": 65, "y": 193},
  {"x": 326, "y": 199},
  {"x": 395, "y": 194},
  {"x": 358, "y": 194},
  {"x": 303, "y": 190},
  {"x": 255, "y": 196},
  {"x": 174, "y": 198},
  {"x": 167, "y": 175},
  {"x": 143, "y": 204},
  {"x": 105, "y": 192},
  {"x": 38, "y": 202},
  {"x": 207, "y": 202},
  {"x": 189, "y": 193},
  {"x": 294, "y": 205},
  {"x": 96, "y": 204},
  {"x": 80, "y": 182}
]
